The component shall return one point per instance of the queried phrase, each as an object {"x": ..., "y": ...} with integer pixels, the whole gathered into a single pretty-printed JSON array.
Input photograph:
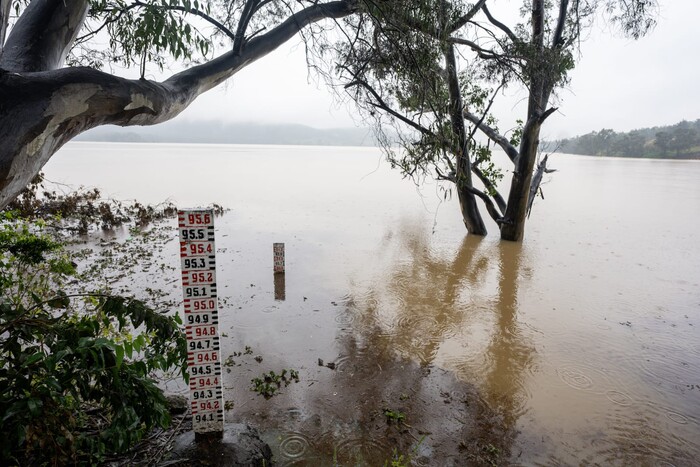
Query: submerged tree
[
  {"x": 45, "y": 100},
  {"x": 432, "y": 70}
]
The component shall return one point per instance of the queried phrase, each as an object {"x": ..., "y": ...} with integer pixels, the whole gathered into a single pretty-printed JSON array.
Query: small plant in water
[
  {"x": 270, "y": 383},
  {"x": 397, "y": 460},
  {"x": 394, "y": 416}
]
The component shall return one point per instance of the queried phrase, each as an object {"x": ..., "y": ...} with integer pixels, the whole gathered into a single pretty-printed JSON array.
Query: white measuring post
[
  {"x": 278, "y": 257},
  {"x": 198, "y": 261}
]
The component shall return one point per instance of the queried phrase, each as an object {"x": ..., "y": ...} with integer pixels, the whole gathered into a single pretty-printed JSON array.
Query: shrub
[{"x": 76, "y": 370}]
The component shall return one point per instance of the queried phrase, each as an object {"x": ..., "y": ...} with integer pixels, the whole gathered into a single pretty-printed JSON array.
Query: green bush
[{"x": 75, "y": 369}]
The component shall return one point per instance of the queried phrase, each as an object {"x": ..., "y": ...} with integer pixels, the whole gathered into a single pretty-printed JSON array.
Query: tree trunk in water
[
  {"x": 467, "y": 201},
  {"x": 513, "y": 227}
]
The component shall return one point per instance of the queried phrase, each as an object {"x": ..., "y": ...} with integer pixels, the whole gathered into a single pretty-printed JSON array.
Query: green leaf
[
  {"x": 33, "y": 359},
  {"x": 34, "y": 406},
  {"x": 138, "y": 343},
  {"x": 119, "y": 352}
]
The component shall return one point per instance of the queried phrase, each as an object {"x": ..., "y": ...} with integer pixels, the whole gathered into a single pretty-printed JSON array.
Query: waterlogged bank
[{"x": 581, "y": 344}]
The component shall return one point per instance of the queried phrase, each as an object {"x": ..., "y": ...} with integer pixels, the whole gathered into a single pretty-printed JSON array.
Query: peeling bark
[{"x": 43, "y": 106}]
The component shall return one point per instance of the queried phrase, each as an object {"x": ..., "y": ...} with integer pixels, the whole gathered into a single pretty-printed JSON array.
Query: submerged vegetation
[
  {"x": 269, "y": 384},
  {"x": 76, "y": 367},
  {"x": 79, "y": 360}
]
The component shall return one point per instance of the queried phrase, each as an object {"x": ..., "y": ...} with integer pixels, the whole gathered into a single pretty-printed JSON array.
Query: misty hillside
[
  {"x": 216, "y": 132},
  {"x": 679, "y": 141}
]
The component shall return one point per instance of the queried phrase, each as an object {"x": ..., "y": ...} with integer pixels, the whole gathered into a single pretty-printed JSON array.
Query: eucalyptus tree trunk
[
  {"x": 43, "y": 105},
  {"x": 513, "y": 226},
  {"x": 463, "y": 176}
]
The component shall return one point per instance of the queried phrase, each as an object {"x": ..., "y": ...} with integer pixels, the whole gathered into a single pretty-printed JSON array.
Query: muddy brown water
[{"x": 579, "y": 346}]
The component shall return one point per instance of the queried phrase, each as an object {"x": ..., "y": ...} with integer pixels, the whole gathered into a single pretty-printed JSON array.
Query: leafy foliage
[
  {"x": 431, "y": 71},
  {"x": 75, "y": 384},
  {"x": 84, "y": 209},
  {"x": 270, "y": 383}
]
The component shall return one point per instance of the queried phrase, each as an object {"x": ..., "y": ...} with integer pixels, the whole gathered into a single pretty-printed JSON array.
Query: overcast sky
[{"x": 618, "y": 83}]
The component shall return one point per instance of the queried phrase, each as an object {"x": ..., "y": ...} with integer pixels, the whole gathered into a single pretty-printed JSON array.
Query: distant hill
[
  {"x": 679, "y": 141},
  {"x": 216, "y": 132}
]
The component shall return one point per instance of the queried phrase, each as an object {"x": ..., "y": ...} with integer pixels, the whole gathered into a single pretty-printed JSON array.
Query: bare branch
[
  {"x": 557, "y": 39},
  {"x": 248, "y": 10},
  {"x": 537, "y": 181},
  {"x": 546, "y": 114},
  {"x": 499, "y": 25},
  {"x": 483, "y": 53}
]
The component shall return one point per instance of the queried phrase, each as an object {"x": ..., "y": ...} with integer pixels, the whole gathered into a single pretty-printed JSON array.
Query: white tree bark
[{"x": 42, "y": 106}]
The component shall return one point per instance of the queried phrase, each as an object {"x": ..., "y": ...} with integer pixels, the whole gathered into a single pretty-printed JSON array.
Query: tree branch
[
  {"x": 499, "y": 25},
  {"x": 546, "y": 114},
  {"x": 43, "y": 35},
  {"x": 41, "y": 111},
  {"x": 483, "y": 53},
  {"x": 500, "y": 202},
  {"x": 380, "y": 104},
  {"x": 537, "y": 181},
  {"x": 557, "y": 39},
  {"x": 493, "y": 135},
  {"x": 493, "y": 212},
  {"x": 248, "y": 11},
  {"x": 92, "y": 33},
  {"x": 464, "y": 19}
]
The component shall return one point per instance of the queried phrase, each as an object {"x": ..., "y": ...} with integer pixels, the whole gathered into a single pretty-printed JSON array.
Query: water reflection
[
  {"x": 280, "y": 286},
  {"x": 456, "y": 310},
  {"x": 510, "y": 356}
]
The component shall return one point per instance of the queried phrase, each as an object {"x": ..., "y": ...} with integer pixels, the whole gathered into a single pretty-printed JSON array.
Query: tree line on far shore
[{"x": 679, "y": 141}]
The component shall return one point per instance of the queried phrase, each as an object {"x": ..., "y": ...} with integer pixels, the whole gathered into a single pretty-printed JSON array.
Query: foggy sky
[{"x": 618, "y": 83}]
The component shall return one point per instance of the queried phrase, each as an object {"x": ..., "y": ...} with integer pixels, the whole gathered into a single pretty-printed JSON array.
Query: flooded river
[{"x": 579, "y": 346}]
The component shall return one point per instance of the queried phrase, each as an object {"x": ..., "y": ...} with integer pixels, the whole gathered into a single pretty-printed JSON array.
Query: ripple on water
[
  {"x": 642, "y": 445},
  {"x": 357, "y": 363},
  {"x": 677, "y": 417},
  {"x": 362, "y": 451},
  {"x": 294, "y": 445},
  {"x": 346, "y": 317},
  {"x": 575, "y": 378},
  {"x": 619, "y": 398},
  {"x": 671, "y": 364}
]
